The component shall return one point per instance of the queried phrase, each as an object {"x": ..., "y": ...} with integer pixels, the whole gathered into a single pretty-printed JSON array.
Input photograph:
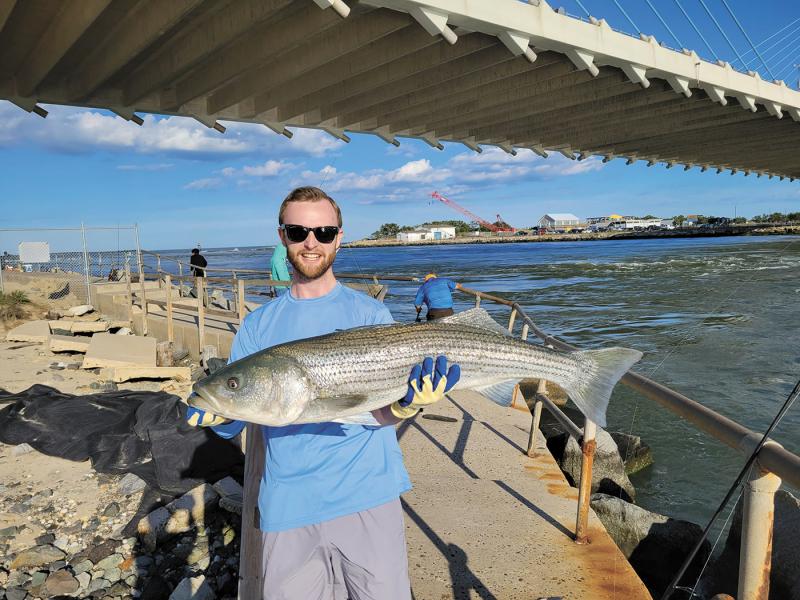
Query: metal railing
[{"x": 774, "y": 463}]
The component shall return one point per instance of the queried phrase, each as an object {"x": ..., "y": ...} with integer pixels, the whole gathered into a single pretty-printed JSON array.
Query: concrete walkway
[{"x": 485, "y": 521}]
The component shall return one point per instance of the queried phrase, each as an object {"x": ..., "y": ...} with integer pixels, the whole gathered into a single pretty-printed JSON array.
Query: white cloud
[
  {"x": 269, "y": 169},
  {"x": 75, "y": 130},
  {"x": 209, "y": 183}
]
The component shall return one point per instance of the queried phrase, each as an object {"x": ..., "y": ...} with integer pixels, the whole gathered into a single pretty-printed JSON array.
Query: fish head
[{"x": 264, "y": 389}]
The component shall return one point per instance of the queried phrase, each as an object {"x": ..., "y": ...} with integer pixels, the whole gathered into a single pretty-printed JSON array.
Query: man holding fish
[{"x": 330, "y": 513}]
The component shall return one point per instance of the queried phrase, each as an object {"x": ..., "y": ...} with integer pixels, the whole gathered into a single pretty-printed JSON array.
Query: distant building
[
  {"x": 431, "y": 233},
  {"x": 691, "y": 220},
  {"x": 559, "y": 221}
]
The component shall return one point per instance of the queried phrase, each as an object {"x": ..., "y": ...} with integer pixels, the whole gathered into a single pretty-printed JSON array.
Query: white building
[
  {"x": 559, "y": 221},
  {"x": 442, "y": 233},
  {"x": 431, "y": 233}
]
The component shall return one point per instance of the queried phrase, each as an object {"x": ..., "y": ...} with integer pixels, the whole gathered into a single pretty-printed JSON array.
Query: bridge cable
[
  {"x": 622, "y": 10},
  {"x": 750, "y": 461},
  {"x": 664, "y": 23},
  {"x": 781, "y": 66},
  {"x": 781, "y": 30},
  {"x": 588, "y": 14},
  {"x": 697, "y": 31},
  {"x": 721, "y": 30},
  {"x": 781, "y": 46},
  {"x": 747, "y": 37}
]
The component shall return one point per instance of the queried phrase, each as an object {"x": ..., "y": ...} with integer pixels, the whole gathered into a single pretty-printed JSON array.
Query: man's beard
[{"x": 310, "y": 272}]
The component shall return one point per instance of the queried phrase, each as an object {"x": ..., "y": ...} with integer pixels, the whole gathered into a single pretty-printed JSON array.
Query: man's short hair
[
  {"x": 308, "y": 194},
  {"x": 195, "y": 250}
]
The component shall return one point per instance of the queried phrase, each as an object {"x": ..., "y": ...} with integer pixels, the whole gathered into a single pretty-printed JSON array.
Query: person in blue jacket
[
  {"x": 329, "y": 506},
  {"x": 436, "y": 294}
]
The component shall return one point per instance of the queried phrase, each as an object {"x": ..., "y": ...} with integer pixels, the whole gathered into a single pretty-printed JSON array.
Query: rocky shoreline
[{"x": 582, "y": 237}]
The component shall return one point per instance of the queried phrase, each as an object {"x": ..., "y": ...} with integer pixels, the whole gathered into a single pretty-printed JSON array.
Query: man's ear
[
  {"x": 339, "y": 239},
  {"x": 280, "y": 236}
]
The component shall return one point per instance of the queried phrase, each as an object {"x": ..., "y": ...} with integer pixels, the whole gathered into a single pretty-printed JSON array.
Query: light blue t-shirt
[{"x": 319, "y": 471}]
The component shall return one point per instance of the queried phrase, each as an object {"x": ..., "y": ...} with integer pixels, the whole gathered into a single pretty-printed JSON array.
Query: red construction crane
[{"x": 472, "y": 216}]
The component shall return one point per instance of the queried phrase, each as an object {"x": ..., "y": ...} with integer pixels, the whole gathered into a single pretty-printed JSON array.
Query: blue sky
[{"x": 184, "y": 183}]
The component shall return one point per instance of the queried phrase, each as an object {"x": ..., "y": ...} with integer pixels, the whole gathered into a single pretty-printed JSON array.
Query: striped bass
[{"x": 343, "y": 375}]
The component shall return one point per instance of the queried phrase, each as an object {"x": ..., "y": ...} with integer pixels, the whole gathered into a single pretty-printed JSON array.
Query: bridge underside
[{"x": 439, "y": 70}]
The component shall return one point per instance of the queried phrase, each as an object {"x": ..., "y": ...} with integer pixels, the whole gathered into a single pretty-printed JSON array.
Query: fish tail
[{"x": 598, "y": 373}]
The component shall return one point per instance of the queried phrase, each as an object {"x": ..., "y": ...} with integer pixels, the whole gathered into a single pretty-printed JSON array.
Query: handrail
[{"x": 773, "y": 456}]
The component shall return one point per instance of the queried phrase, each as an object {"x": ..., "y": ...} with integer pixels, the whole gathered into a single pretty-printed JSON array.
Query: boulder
[
  {"x": 37, "y": 556},
  {"x": 654, "y": 544},
  {"x": 608, "y": 470},
  {"x": 723, "y": 573},
  {"x": 61, "y": 583},
  {"x": 635, "y": 455}
]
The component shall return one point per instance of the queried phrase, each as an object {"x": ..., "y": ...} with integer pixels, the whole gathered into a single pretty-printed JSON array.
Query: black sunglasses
[{"x": 298, "y": 233}]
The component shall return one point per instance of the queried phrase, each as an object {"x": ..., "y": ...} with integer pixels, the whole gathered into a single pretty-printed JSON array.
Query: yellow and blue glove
[
  {"x": 426, "y": 385},
  {"x": 197, "y": 417}
]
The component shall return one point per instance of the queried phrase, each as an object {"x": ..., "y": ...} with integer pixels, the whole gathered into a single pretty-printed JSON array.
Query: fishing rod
[{"x": 673, "y": 585}]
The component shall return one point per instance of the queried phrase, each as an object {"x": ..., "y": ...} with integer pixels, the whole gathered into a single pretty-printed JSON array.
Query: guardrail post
[
  {"x": 511, "y": 320},
  {"x": 170, "y": 325},
  {"x": 588, "y": 446},
  {"x": 144, "y": 299},
  {"x": 477, "y": 301},
  {"x": 201, "y": 311},
  {"x": 536, "y": 417},
  {"x": 240, "y": 301},
  {"x": 755, "y": 552},
  {"x": 130, "y": 293}
]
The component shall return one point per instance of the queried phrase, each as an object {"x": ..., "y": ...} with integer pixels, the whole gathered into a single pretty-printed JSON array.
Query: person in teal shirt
[
  {"x": 279, "y": 270},
  {"x": 330, "y": 514}
]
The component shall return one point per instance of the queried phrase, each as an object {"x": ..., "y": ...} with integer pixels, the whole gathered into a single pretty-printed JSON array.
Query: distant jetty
[{"x": 759, "y": 229}]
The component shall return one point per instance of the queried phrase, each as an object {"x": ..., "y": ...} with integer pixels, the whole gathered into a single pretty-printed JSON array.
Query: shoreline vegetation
[{"x": 729, "y": 231}]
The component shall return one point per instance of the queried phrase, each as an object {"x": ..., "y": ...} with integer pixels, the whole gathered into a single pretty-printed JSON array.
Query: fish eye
[{"x": 233, "y": 383}]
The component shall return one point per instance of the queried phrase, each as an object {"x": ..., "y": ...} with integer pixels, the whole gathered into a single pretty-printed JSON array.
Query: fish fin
[
  {"x": 598, "y": 373},
  {"x": 475, "y": 317},
  {"x": 365, "y": 418},
  {"x": 499, "y": 393}
]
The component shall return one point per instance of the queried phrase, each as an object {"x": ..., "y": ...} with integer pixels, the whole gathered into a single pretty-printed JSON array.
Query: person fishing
[
  {"x": 198, "y": 261},
  {"x": 278, "y": 269},
  {"x": 330, "y": 513},
  {"x": 436, "y": 294}
]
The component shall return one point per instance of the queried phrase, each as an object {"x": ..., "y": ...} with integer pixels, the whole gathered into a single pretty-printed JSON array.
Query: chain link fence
[{"x": 56, "y": 266}]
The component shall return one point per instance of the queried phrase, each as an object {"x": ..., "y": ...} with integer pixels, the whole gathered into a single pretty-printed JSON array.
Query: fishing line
[
  {"x": 719, "y": 537},
  {"x": 750, "y": 461}
]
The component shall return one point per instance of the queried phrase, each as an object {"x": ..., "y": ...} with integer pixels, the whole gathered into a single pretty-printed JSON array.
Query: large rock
[
  {"x": 77, "y": 311},
  {"x": 61, "y": 583},
  {"x": 37, "y": 556},
  {"x": 608, "y": 470},
  {"x": 109, "y": 350},
  {"x": 635, "y": 455},
  {"x": 68, "y": 343},
  {"x": 723, "y": 573},
  {"x": 655, "y": 545}
]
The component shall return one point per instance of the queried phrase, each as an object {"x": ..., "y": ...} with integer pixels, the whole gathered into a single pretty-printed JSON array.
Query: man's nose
[{"x": 311, "y": 240}]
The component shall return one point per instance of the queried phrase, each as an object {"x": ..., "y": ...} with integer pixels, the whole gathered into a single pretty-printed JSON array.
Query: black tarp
[{"x": 120, "y": 432}]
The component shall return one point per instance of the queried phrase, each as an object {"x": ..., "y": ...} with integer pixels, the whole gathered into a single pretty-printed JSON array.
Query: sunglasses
[{"x": 298, "y": 233}]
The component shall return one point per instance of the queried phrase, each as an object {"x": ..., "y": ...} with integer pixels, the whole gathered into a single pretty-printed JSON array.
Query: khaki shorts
[{"x": 357, "y": 557}]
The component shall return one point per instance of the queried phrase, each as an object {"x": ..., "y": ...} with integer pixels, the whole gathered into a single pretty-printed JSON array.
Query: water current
[{"x": 715, "y": 317}]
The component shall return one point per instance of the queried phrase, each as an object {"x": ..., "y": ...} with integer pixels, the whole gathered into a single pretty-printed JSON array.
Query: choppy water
[{"x": 716, "y": 318}]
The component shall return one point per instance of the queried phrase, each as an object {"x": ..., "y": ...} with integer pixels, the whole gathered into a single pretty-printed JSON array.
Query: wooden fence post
[
  {"x": 240, "y": 302},
  {"x": 180, "y": 280},
  {"x": 170, "y": 324},
  {"x": 144, "y": 299}
]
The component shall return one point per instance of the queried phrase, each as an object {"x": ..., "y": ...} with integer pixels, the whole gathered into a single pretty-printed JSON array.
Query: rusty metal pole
[
  {"x": 536, "y": 417},
  {"x": 755, "y": 553},
  {"x": 588, "y": 446}
]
